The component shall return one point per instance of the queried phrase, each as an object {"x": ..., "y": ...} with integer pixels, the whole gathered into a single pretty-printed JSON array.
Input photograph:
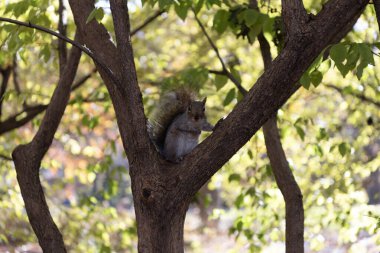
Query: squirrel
[{"x": 177, "y": 124}]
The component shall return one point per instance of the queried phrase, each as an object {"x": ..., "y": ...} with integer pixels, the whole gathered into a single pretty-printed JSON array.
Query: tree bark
[
  {"x": 6, "y": 73},
  {"x": 294, "y": 214},
  {"x": 27, "y": 159}
]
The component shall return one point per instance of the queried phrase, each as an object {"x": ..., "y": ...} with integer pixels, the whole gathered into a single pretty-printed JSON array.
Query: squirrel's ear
[{"x": 204, "y": 101}]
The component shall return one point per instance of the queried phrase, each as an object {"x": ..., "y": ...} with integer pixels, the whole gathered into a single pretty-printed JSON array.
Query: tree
[{"x": 162, "y": 191}]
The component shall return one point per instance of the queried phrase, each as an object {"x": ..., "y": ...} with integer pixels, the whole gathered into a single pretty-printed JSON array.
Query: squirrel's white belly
[{"x": 186, "y": 143}]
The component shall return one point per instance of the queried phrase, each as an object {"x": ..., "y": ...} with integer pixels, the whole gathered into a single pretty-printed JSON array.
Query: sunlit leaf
[
  {"x": 338, "y": 53},
  {"x": 229, "y": 97}
]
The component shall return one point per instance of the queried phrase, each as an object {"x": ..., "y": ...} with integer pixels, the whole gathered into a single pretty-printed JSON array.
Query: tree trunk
[
  {"x": 27, "y": 164},
  {"x": 160, "y": 231},
  {"x": 160, "y": 215}
]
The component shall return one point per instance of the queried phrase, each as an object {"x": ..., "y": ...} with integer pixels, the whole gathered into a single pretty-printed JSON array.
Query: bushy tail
[{"x": 171, "y": 105}]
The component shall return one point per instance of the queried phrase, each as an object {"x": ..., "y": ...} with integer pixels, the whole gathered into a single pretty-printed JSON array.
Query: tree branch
[
  {"x": 27, "y": 159},
  {"x": 15, "y": 75},
  {"x": 94, "y": 57},
  {"x": 5, "y": 157},
  {"x": 62, "y": 48},
  {"x": 82, "y": 80},
  {"x": 6, "y": 73},
  {"x": 283, "y": 175},
  {"x": 269, "y": 93},
  {"x": 288, "y": 186},
  {"x": 356, "y": 95},
  {"x": 15, "y": 121},
  {"x": 138, "y": 139},
  {"x": 291, "y": 192},
  {"x": 147, "y": 22},
  {"x": 216, "y": 50},
  {"x": 294, "y": 16}
]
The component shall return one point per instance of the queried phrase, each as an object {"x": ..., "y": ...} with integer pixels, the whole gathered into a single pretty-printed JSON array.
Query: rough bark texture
[
  {"x": 294, "y": 214},
  {"x": 6, "y": 73},
  {"x": 27, "y": 159}
]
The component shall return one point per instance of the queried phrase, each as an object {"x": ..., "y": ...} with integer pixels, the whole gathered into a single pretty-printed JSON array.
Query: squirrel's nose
[{"x": 196, "y": 118}]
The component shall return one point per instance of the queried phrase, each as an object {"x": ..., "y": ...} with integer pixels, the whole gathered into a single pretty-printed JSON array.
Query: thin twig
[
  {"x": 62, "y": 28},
  {"x": 15, "y": 75},
  {"x": 5, "y": 157},
  {"x": 81, "y": 81},
  {"x": 72, "y": 42},
  {"x": 356, "y": 95},
  {"x": 147, "y": 22},
  {"x": 216, "y": 50},
  {"x": 6, "y": 73}
]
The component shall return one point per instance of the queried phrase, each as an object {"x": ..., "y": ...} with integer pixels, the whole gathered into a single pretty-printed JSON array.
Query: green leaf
[
  {"x": 254, "y": 31},
  {"x": 353, "y": 56},
  {"x": 250, "y": 16},
  {"x": 221, "y": 21},
  {"x": 300, "y": 132},
  {"x": 305, "y": 81},
  {"x": 343, "y": 69},
  {"x": 251, "y": 191},
  {"x": 229, "y": 97},
  {"x": 210, "y": 3},
  {"x": 45, "y": 53},
  {"x": 250, "y": 154},
  {"x": 234, "y": 177},
  {"x": 268, "y": 25},
  {"x": 105, "y": 249},
  {"x": 366, "y": 54},
  {"x": 164, "y": 3},
  {"x": 239, "y": 225},
  {"x": 91, "y": 16},
  {"x": 343, "y": 149},
  {"x": 239, "y": 200},
  {"x": 220, "y": 81},
  {"x": 181, "y": 10},
  {"x": 97, "y": 13},
  {"x": 20, "y": 8},
  {"x": 236, "y": 74},
  {"x": 14, "y": 42},
  {"x": 316, "y": 77},
  {"x": 360, "y": 69},
  {"x": 338, "y": 53},
  {"x": 318, "y": 150},
  {"x": 198, "y": 6},
  {"x": 322, "y": 134}
]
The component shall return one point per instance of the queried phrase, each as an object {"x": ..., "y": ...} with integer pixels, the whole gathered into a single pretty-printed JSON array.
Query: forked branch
[{"x": 27, "y": 159}]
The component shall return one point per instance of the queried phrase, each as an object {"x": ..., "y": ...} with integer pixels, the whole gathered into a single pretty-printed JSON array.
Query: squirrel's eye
[{"x": 203, "y": 109}]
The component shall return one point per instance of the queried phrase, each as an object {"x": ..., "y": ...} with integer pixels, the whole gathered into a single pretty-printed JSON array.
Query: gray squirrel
[{"x": 177, "y": 124}]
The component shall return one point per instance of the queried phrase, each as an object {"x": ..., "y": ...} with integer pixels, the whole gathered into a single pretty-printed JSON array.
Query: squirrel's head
[{"x": 196, "y": 110}]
